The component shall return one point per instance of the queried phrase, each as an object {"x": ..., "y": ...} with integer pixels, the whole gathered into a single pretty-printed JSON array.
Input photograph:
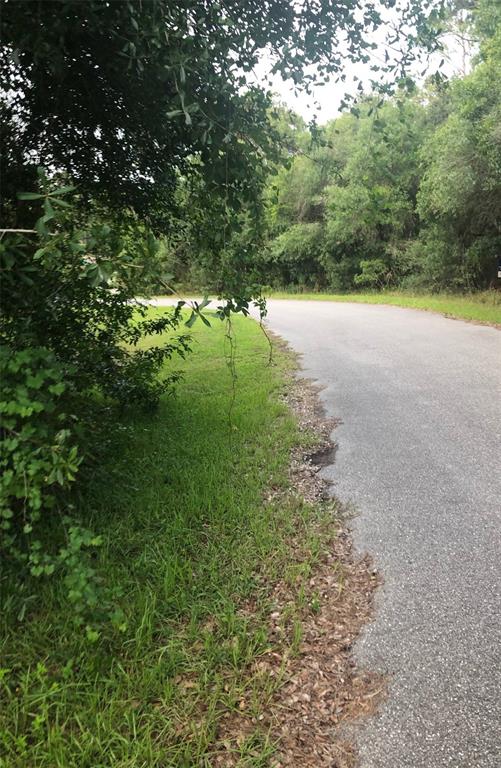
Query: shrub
[
  {"x": 70, "y": 333},
  {"x": 39, "y": 450},
  {"x": 374, "y": 274},
  {"x": 294, "y": 256}
]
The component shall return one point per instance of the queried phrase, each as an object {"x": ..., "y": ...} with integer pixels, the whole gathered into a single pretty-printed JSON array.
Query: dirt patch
[{"x": 314, "y": 621}]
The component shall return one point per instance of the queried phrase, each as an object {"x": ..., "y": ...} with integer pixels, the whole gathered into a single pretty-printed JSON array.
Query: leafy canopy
[{"x": 121, "y": 95}]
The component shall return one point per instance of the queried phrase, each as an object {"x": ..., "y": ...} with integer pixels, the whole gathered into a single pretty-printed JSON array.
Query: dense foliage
[
  {"x": 68, "y": 353},
  {"x": 125, "y": 95},
  {"x": 134, "y": 136},
  {"x": 401, "y": 191},
  {"x": 407, "y": 192}
]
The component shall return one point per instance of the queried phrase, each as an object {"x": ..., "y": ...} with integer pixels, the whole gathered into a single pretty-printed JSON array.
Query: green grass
[
  {"x": 484, "y": 307},
  {"x": 188, "y": 538}
]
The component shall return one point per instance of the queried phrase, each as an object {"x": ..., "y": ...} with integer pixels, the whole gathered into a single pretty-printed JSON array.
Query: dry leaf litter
[{"x": 321, "y": 689}]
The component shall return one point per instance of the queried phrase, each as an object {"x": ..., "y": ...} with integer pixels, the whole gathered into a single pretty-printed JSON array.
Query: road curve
[{"x": 419, "y": 455}]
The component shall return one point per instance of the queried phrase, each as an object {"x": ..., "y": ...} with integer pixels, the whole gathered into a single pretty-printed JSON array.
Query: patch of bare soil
[{"x": 321, "y": 688}]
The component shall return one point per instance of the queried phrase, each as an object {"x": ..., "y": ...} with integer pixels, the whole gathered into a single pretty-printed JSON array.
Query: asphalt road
[{"x": 419, "y": 455}]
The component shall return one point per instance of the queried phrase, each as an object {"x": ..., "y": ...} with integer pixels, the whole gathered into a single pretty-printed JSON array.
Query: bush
[
  {"x": 39, "y": 450},
  {"x": 374, "y": 274},
  {"x": 438, "y": 261},
  {"x": 294, "y": 257},
  {"x": 39, "y": 461},
  {"x": 70, "y": 333}
]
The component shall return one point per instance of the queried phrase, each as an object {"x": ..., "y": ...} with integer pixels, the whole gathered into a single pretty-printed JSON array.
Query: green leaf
[
  {"x": 29, "y": 196},
  {"x": 49, "y": 210},
  {"x": 61, "y": 203},
  {"x": 63, "y": 190},
  {"x": 40, "y": 226}
]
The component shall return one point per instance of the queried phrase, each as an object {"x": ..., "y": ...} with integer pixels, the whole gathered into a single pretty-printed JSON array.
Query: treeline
[{"x": 403, "y": 192}]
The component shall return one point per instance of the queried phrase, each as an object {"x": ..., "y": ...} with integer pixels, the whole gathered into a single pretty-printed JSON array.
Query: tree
[
  {"x": 358, "y": 184},
  {"x": 119, "y": 95},
  {"x": 411, "y": 182},
  {"x": 460, "y": 193}
]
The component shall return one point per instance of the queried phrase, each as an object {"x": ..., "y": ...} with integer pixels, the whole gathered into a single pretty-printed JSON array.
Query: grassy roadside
[
  {"x": 190, "y": 533},
  {"x": 484, "y": 307}
]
